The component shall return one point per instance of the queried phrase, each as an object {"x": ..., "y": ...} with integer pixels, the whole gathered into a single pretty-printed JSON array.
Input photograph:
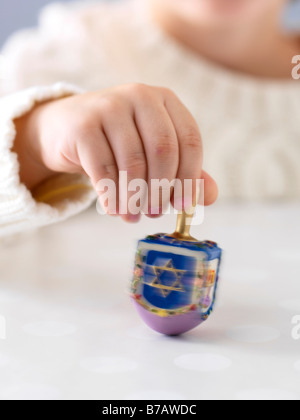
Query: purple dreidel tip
[
  {"x": 172, "y": 325},
  {"x": 175, "y": 279}
]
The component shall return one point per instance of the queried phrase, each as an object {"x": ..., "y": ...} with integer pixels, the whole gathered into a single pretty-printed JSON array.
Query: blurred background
[{"x": 17, "y": 14}]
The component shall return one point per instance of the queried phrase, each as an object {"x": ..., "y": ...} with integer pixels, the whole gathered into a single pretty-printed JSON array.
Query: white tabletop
[{"x": 69, "y": 331}]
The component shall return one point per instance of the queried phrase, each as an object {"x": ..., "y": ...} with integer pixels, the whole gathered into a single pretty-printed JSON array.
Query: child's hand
[{"x": 143, "y": 130}]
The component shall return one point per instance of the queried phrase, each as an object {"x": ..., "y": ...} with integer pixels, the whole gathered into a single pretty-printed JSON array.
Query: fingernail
[
  {"x": 178, "y": 203},
  {"x": 187, "y": 203},
  {"x": 155, "y": 210},
  {"x": 183, "y": 204},
  {"x": 133, "y": 218}
]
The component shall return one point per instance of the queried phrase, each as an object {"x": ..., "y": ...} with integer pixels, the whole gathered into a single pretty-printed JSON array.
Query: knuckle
[
  {"x": 140, "y": 90},
  {"x": 192, "y": 139},
  {"x": 135, "y": 163},
  {"x": 111, "y": 105},
  {"x": 109, "y": 171},
  {"x": 165, "y": 147},
  {"x": 168, "y": 92}
]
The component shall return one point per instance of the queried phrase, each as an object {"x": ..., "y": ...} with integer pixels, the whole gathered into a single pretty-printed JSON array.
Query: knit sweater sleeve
[{"x": 26, "y": 78}]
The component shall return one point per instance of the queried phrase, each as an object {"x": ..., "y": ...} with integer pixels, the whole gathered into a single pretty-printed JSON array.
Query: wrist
[{"x": 28, "y": 148}]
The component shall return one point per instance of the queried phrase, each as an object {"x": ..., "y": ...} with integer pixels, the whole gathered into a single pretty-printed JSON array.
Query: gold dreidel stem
[{"x": 184, "y": 220}]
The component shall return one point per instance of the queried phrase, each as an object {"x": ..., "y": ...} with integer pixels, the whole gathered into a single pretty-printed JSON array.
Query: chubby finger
[
  {"x": 190, "y": 150},
  {"x": 98, "y": 162},
  {"x": 162, "y": 151},
  {"x": 127, "y": 147}
]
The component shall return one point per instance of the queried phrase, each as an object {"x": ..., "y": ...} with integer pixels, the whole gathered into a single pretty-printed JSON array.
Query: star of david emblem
[{"x": 176, "y": 286}]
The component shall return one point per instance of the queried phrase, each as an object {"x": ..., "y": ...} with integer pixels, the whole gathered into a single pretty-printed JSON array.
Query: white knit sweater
[{"x": 250, "y": 127}]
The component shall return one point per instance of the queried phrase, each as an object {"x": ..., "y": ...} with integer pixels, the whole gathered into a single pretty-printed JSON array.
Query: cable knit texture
[{"x": 250, "y": 127}]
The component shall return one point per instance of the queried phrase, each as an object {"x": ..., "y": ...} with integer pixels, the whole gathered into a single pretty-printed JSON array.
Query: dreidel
[{"x": 175, "y": 278}]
